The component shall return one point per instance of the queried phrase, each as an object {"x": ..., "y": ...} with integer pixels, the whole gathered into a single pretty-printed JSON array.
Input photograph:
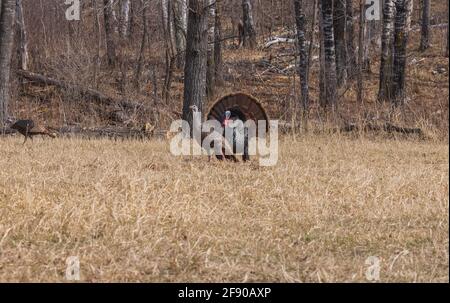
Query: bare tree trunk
[
  {"x": 361, "y": 57},
  {"x": 339, "y": 23},
  {"x": 425, "y": 38},
  {"x": 218, "y": 44},
  {"x": 114, "y": 16},
  {"x": 132, "y": 21},
  {"x": 179, "y": 12},
  {"x": 125, "y": 18},
  {"x": 386, "y": 77},
  {"x": 400, "y": 42},
  {"x": 409, "y": 9},
  {"x": 371, "y": 39},
  {"x": 249, "y": 27},
  {"x": 169, "y": 45},
  {"x": 165, "y": 13},
  {"x": 98, "y": 38},
  {"x": 322, "y": 86},
  {"x": 44, "y": 30},
  {"x": 312, "y": 30},
  {"x": 300, "y": 21},
  {"x": 140, "y": 63},
  {"x": 330, "y": 82},
  {"x": 397, "y": 18},
  {"x": 196, "y": 54},
  {"x": 110, "y": 32},
  {"x": 210, "y": 60},
  {"x": 366, "y": 43},
  {"x": 168, "y": 25},
  {"x": 350, "y": 39},
  {"x": 184, "y": 14},
  {"x": 7, "y": 15},
  {"x": 23, "y": 37}
]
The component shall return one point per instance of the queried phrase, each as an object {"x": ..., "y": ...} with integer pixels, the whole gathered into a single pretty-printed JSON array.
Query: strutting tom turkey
[{"x": 238, "y": 108}]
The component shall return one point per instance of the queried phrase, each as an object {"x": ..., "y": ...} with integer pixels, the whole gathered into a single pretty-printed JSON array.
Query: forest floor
[{"x": 130, "y": 211}]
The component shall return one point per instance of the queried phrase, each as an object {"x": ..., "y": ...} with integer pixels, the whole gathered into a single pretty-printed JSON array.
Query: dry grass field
[{"x": 133, "y": 212}]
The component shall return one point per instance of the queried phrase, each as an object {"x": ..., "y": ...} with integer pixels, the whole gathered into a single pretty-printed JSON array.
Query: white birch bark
[
  {"x": 23, "y": 37},
  {"x": 125, "y": 17}
]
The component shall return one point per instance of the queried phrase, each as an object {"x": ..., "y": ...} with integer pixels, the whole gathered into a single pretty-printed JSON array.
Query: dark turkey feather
[
  {"x": 23, "y": 125},
  {"x": 242, "y": 106}
]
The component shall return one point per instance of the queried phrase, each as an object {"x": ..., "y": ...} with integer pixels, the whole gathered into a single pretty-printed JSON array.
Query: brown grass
[{"x": 132, "y": 212}]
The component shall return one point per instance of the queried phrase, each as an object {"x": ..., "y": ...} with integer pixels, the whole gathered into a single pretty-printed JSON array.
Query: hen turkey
[{"x": 28, "y": 128}]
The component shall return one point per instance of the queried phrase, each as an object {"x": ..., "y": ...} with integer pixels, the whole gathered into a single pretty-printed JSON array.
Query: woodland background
[{"x": 138, "y": 55}]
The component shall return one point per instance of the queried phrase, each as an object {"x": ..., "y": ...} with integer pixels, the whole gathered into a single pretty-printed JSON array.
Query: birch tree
[
  {"x": 350, "y": 39},
  {"x": 322, "y": 94},
  {"x": 169, "y": 40},
  {"x": 385, "y": 92},
  {"x": 361, "y": 51},
  {"x": 184, "y": 14},
  {"x": 109, "y": 16},
  {"x": 300, "y": 21},
  {"x": 249, "y": 39},
  {"x": 23, "y": 37},
  {"x": 329, "y": 57},
  {"x": 396, "y": 25},
  {"x": 7, "y": 16},
  {"x": 402, "y": 24},
  {"x": 125, "y": 9},
  {"x": 168, "y": 26}
]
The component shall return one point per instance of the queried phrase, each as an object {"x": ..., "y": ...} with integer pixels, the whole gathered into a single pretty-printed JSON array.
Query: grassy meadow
[{"x": 130, "y": 211}]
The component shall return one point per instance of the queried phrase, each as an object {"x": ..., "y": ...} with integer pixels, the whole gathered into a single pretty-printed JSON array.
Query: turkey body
[
  {"x": 221, "y": 152},
  {"x": 239, "y": 138},
  {"x": 29, "y": 129}
]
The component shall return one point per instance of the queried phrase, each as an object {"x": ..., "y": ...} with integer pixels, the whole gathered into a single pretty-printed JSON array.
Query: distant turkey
[
  {"x": 28, "y": 128},
  {"x": 235, "y": 109}
]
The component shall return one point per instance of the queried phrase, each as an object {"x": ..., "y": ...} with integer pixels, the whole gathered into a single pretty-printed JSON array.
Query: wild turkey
[
  {"x": 238, "y": 107},
  {"x": 241, "y": 105},
  {"x": 226, "y": 151},
  {"x": 29, "y": 129}
]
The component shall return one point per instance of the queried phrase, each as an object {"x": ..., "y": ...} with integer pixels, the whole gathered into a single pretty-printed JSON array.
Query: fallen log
[
  {"x": 88, "y": 92},
  {"x": 277, "y": 40},
  {"x": 91, "y": 93},
  {"x": 105, "y": 132},
  {"x": 386, "y": 127},
  {"x": 99, "y": 133},
  {"x": 6, "y": 131}
]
